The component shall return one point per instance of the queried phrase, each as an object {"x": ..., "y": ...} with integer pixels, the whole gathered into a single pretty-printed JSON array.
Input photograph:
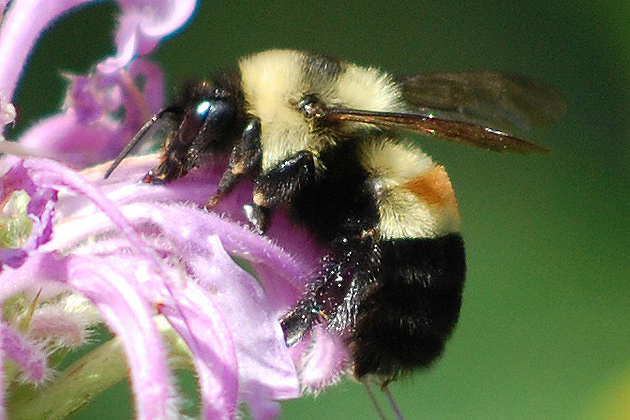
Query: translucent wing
[
  {"x": 458, "y": 131},
  {"x": 501, "y": 100}
]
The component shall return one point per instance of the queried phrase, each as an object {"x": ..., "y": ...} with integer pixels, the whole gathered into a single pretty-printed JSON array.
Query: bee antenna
[{"x": 135, "y": 140}]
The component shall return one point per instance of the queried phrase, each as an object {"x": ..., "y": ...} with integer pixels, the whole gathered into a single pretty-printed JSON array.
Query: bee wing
[
  {"x": 494, "y": 99},
  {"x": 458, "y": 131}
]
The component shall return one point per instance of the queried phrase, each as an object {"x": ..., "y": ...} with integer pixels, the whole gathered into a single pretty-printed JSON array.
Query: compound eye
[
  {"x": 212, "y": 111},
  {"x": 207, "y": 120}
]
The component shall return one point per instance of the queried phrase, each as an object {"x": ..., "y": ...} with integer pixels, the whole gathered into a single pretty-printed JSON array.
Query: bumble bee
[{"x": 320, "y": 137}]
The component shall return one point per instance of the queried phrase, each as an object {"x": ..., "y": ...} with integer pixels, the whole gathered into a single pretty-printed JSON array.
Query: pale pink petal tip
[
  {"x": 142, "y": 26},
  {"x": 325, "y": 362},
  {"x": 7, "y": 112}
]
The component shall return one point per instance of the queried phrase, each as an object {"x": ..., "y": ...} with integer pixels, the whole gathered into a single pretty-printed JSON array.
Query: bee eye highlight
[
  {"x": 202, "y": 109},
  {"x": 211, "y": 110}
]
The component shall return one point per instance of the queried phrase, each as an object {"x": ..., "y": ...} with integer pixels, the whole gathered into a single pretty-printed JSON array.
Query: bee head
[{"x": 204, "y": 120}]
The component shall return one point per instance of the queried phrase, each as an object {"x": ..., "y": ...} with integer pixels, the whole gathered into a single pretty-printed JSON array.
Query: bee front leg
[
  {"x": 279, "y": 185},
  {"x": 245, "y": 159}
]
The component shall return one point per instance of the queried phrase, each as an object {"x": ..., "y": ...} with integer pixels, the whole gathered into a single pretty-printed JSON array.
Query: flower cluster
[{"x": 77, "y": 251}]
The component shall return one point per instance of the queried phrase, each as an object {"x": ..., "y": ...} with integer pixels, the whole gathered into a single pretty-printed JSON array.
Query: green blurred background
[{"x": 545, "y": 327}]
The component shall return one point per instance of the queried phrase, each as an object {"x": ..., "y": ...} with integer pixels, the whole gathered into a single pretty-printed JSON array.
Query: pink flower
[
  {"x": 146, "y": 260},
  {"x": 147, "y": 255},
  {"x": 139, "y": 252}
]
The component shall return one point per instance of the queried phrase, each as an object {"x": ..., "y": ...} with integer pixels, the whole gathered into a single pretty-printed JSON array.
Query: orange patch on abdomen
[{"x": 433, "y": 187}]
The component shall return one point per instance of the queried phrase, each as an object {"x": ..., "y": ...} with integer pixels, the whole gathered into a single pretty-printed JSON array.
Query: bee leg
[
  {"x": 299, "y": 321},
  {"x": 245, "y": 159},
  {"x": 279, "y": 185},
  {"x": 258, "y": 216},
  {"x": 335, "y": 295}
]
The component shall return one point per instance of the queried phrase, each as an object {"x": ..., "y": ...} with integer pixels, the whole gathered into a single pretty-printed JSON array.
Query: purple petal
[
  {"x": 166, "y": 17},
  {"x": 89, "y": 131},
  {"x": 41, "y": 209},
  {"x": 264, "y": 365},
  {"x": 12, "y": 257},
  {"x": 23, "y": 23},
  {"x": 62, "y": 137},
  {"x": 112, "y": 283},
  {"x": 325, "y": 362},
  {"x": 17, "y": 178},
  {"x": 141, "y": 27},
  {"x": 106, "y": 283},
  {"x": 36, "y": 271},
  {"x": 261, "y": 407},
  {"x": 203, "y": 328},
  {"x": 260, "y": 339}
]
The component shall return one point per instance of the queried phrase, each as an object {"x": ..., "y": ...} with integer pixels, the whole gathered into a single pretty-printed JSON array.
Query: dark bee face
[{"x": 203, "y": 121}]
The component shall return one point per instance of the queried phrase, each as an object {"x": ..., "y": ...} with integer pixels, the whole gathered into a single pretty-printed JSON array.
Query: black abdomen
[{"x": 404, "y": 322}]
